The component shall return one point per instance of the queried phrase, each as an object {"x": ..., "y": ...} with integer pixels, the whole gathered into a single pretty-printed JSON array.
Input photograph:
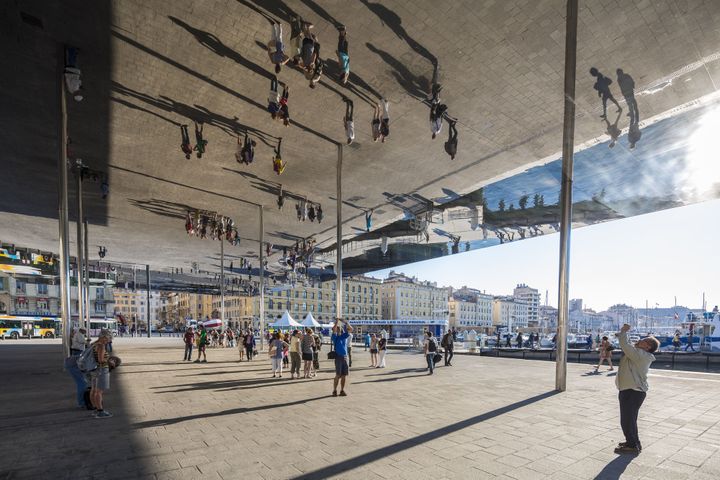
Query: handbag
[
  {"x": 437, "y": 357},
  {"x": 332, "y": 354}
]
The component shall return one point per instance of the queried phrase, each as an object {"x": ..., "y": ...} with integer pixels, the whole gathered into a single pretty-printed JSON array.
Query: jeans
[
  {"x": 430, "y": 361},
  {"x": 188, "y": 352},
  {"x": 277, "y": 365},
  {"x": 630, "y": 402},
  {"x": 80, "y": 383},
  {"x": 448, "y": 355},
  {"x": 249, "y": 352}
]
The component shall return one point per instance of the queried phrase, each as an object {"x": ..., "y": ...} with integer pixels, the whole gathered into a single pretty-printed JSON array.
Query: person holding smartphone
[{"x": 340, "y": 333}]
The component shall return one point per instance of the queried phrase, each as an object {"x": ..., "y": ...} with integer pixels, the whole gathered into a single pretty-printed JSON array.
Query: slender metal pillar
[
  {"x": 80, "y": 257},
  {"x": 338, "y": 254},
  {"x": 261, "y": 310},
  {"x": 87, "y": 271},
  {"x": 147, "y": 279},
  {"x": 222, "y": 282},
  {"x": 566, "y": 194},
  {"x": 63, "y": 223}
]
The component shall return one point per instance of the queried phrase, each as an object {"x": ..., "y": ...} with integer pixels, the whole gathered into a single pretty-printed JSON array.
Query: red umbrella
[{"x": 213, "y": 323}]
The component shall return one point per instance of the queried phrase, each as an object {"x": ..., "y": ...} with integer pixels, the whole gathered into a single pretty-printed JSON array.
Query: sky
[{"x": 654, "y": 258}]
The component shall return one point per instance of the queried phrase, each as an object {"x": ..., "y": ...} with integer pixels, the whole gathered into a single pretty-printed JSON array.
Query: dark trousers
[
  {"x": 249, "y": 352},
  {"x": 630, "y": 403},
  {"x": 188, "y": 352},
  {"x": 448, "y": 355}
]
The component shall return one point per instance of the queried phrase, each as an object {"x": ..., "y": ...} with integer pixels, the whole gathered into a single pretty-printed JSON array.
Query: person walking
[
  {"x": 240, "y": 340},
  {"x": 605, "y": 350},
  {"x": 343, "y": 55},
  {"x": 690, "y": 340},
  {"x": 373, "y": 351},
  {"x": 200, "y": 142},
  {"x": 295, "y": 342},
  {"x": 602, "y": 85},
  {"x": 350, "y": 348},
  {"x": 375, "y": 125},
  {"x": 367, "y": 341},
  {"x": 339, "y": 339},
  {"x": 284, "y": 109},
  {"x": 632, "y": 385},
  {"x": 627, "y": 88},
  {"x": 278, "y": 164},
  {"x": 437, "y": 111},
  {"x": 306, "y": 347},
  {"x": 100, "y": 377},
  {"x": 368, "y": 219},
  {"x": 519, "y": 340},
  {"x": 249, "y": 342},
  {"x": 277, "y": 349},
  {"x": 189, "y": 338},
  {"x": 348, "y": 120},
  {"x": 245, "y": 150},
  {"x": 202, "y": 343},
  {"x": 286, "y": 352},
  {"x": 276, "y": 48},
  {"x": 273, "y": 99},
  {"x": 429, "y": 349},
  {"x": 676, "y": 341},
  {"x": 385, "y": 122},
  {"x": 185, "y": 146},
  {"x": 449, "y": 347},
  {"x": 298, "y": 27},
  {"x": 382, "y": 351}
]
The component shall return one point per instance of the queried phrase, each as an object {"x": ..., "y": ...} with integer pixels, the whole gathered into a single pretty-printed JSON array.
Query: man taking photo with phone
[{"x": 339, "y": 338}]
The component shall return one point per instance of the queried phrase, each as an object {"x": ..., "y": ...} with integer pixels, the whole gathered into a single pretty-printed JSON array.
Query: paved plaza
[{"x": 482, "y": 418}]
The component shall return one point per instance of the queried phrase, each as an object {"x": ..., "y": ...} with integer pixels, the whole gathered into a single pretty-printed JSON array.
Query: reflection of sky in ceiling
[{"x": 655, "y": 168}]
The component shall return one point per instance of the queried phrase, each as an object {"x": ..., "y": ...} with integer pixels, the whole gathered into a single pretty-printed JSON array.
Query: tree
[
  {"x": 536, "y": 200},
  {"x": 511, "y": 208},
  {"x": 523, "y": 202},
  {"x": 541, "y": 202},
  {"x": 501, "y": 205}
]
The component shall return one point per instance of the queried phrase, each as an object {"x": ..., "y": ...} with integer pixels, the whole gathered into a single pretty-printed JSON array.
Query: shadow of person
[
  {"x": 614, "y": 469},
  {"x": 602, "y": 85},
  {"x": 213, "y": 43},
  {"x": 627, "y": 88},
  {"x": 634, "y": 135},
  {"x": 415, "y": 85}
]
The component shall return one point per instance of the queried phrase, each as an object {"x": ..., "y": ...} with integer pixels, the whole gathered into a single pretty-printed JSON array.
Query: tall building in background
[
  {"x": 470, "y": 309},
  {"x": 406, "y": 298},
  {"x": 531, "y": 297},
  {"x": 510, "y": 313}
]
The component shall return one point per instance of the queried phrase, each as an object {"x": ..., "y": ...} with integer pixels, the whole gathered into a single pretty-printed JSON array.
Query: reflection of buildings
[
  {"x": 132, "y": 305},
  {"x": 40, "y": 296},
  {"x": 470, "y": 309},
  {"x": 547, "y": 318}
]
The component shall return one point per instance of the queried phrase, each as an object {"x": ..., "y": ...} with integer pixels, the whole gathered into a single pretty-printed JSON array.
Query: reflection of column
[
  {"x": 79, "y": 257},
  {"x": 262, "y": 278},
  {"x": 222, "y": 282},
  {"x": 63, "y": 223},
  {"x": 338, "y": 239},
  {"x": 566, "y": 193},
  {"x": 147, "y": 278},
  {"x": 86, "y": 286}
]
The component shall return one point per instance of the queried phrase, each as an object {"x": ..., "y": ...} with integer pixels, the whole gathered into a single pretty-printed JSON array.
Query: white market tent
[
  {"x": 285, "y": 322},
  {"x": 310, "y": 321}
]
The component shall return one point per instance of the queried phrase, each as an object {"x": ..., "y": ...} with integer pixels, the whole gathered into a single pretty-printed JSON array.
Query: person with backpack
[
  {"x": 94, "y": 363},
  {"x": 189, "y": 342},
  {"x": 430, "y": 349},
  {"x": 76, "y": 348},
  {"x": 382, "y": 350},
  {"x": 202, "y": 344},
  {"x": 449, "y": 346}
]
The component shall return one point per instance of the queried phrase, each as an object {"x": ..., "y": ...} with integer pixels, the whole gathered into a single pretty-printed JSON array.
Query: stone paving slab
[{"x": 482, "y": 418}]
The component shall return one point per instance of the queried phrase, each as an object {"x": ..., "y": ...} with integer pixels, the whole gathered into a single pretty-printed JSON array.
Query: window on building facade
[
  {"x": 42, "y": 289},
  {"x": 271, "y": 304}
]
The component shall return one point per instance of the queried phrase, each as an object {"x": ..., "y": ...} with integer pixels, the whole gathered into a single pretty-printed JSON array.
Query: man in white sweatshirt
[{"x": 632, "y": 383}]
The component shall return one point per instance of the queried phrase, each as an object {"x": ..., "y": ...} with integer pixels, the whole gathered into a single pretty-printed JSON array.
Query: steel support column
[
  {"x": 86, "y": 253},
  {"x": 147, "y": 279},
  {"x": 222, "y": 282},
  {"x": 63, "y": 223},
  {"x": 566, "y": 194},
  {"x": 338, "y": 239},
  {"x": 80, "y": 257}
]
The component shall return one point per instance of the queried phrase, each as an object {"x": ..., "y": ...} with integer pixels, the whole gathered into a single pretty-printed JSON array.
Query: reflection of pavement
[{"x": 482, "y": 418}]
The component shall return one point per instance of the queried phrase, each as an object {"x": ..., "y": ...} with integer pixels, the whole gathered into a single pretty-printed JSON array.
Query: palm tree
[{"x": 501, "y": 205}]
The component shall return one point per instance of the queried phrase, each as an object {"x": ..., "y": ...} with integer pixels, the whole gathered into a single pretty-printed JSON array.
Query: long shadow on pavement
[
  {"x": 360, "y": 460},
  {"x": 232, "y": 411},
  {"x": 615, "y": 469}
]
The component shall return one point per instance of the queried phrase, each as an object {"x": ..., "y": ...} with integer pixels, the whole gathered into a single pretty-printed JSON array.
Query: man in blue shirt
[{"x": 340, "y": 333}]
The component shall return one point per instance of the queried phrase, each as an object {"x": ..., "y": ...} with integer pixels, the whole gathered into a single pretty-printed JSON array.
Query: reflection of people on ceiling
[
  {"x": 456, "y": 244},
  {"x": 368, "y": 219},
  {"x": 246, "y": 150},
  {"x": 348, "y": 120},
  {"x": 376, "y": 124},
  {"x": 436, "y": 118},
  {"x": 343, "y": 54},
  {"x": 452, "y": 142},
  {"x": 277, "y": 56},
  {"x": 613, "y": 130},
  {"x": 280, "y": 198},
  {"x": 314, "y": 72},
  {"x": 634, "y": 135},
  {"x": 273, "y": 98},
  {"x": 284, "y": 110},
  {"x": 278, "y": 164},
  {"x": 627, "y": 88},
  {"x": 297, "y": 27},
  {"x": 602, "y": 85},
  {"x": 185, "y": 146},
  {"x": 200, "y": 142},
  {"x": 385, "y": 122},
  {"x": 319, "y": 213}
]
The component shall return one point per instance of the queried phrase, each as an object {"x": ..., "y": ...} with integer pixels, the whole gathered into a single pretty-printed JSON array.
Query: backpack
[
  {"x": 432, "y": 347},
  {"x": 444, "y": 342},
  {"x": 86, "y": 362}
]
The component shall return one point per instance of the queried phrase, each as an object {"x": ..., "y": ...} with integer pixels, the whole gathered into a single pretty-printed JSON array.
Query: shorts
[
  {"x": 100, "y": 379},
  {"x": 341, "y": 366},
  {"x": 373, "y": 350},
  {"x": 307, "y": 356}
]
